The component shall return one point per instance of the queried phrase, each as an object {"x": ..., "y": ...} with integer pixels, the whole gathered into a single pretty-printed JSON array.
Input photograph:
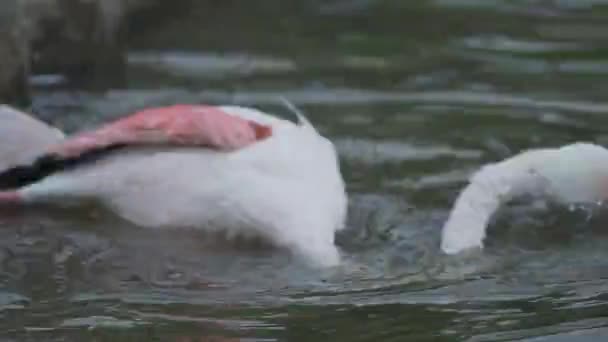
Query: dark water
[{"x": 415, "y": 95}]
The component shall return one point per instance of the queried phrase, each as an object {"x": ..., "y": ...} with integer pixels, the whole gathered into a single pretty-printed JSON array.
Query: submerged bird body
[
  {"x": 572, "y": 174},
  {"x": 286, "y": 188}
]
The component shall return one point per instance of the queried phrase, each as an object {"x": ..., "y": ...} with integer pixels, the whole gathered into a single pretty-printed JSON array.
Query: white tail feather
[{"x": 302, "y": 120}]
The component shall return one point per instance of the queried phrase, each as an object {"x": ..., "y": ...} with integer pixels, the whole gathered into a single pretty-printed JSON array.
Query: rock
[
  {"x": 14, "y": 66},
  {"x": 84, "y": 40}
]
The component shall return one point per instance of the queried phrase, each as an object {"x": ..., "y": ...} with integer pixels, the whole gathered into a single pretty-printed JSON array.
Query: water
[{"x": 415, "y": 97}]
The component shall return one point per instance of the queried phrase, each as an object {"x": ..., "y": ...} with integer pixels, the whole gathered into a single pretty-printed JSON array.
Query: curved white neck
[
  {"x": 489, "y": 188},
  {"x": 575, "y": 173}
]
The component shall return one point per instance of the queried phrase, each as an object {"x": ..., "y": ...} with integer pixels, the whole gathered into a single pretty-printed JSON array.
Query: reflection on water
[
  {"x": 205, "y": 65},
  {"x": 415, "y": 97}
]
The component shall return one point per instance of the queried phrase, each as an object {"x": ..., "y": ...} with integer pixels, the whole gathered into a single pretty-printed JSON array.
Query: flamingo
[
  {"x": 226, "y": 169},
  {"x": 571, "y": 174}
]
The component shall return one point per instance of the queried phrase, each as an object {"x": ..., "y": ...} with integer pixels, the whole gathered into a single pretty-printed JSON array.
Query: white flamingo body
[
  {"x": 23, "y": 138},
  {"x": 287, "y": 189}
]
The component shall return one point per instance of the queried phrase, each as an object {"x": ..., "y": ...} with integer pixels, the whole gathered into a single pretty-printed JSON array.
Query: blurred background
[{"x": 414, "y": 94}]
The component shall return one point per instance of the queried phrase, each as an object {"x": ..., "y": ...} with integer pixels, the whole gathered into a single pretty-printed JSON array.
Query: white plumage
[
  {"x": 576, "y": 173},
  {"x": 287, "y": 189}
]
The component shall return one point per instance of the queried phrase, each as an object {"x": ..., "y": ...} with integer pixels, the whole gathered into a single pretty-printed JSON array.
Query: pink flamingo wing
[{"x": 180, "y": 125}]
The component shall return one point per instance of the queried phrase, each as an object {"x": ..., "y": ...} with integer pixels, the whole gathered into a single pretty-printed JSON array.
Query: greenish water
[{"x": 415, "y": 95}]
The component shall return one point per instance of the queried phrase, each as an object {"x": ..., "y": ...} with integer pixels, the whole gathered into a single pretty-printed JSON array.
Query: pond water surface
[{"x": 416, "y": 96}]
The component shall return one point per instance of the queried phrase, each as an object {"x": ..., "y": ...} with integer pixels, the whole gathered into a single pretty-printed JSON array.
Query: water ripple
[{"x": 374, "y": 152}]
